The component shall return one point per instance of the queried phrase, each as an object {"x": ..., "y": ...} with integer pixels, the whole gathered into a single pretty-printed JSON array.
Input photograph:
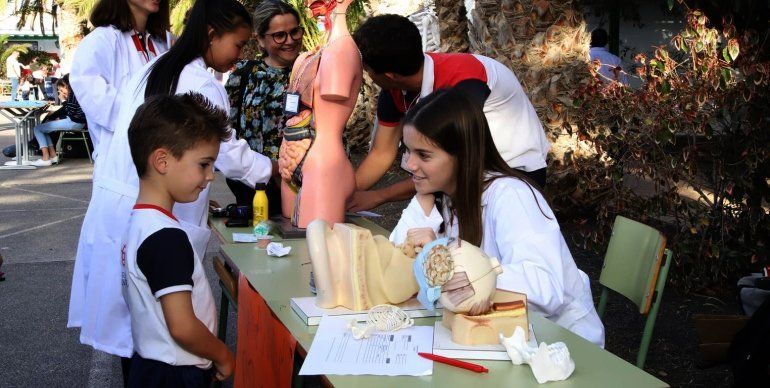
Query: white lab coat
[
  {"x": 104, "y": 62},
  {"x": 535, "y": 258},
  {"x": 96, "y": 303}
]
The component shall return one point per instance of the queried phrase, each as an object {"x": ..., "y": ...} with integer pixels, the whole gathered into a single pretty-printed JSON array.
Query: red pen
[{"x": 451, "y": 361}]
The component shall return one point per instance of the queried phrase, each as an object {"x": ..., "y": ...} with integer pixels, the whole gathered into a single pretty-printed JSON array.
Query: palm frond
[
  {"x": 81, "y": 8},
  {"x": 178, "y": 12}
]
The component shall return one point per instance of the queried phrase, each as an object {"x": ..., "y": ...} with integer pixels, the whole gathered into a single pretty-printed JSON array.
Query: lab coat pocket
[{"x": 199, "y": 237}]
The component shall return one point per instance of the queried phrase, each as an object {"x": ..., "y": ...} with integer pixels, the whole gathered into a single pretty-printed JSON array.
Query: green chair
[
  {"x": 636, "y": 266},
  {"x": 79, "y": 134}
]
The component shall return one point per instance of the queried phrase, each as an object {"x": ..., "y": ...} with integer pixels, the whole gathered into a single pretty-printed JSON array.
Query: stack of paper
[{"x": 335, "y": 352}]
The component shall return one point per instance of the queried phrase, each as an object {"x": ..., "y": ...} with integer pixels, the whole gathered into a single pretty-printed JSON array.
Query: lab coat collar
[
  {"x": 199, "y": 62},
  {"x": 428, "y": 77},
  {"x": 486, "y": 195}
]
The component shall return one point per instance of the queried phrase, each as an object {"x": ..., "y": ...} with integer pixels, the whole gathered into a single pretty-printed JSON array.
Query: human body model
[{"x": 327, "y": 83}]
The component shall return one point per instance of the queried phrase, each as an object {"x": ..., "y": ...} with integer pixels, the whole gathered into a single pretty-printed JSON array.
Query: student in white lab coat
[
  {"x": 128, "y": 34},
  {"x": 216, "y": 32},
  {"x": 465, "y": 189}
]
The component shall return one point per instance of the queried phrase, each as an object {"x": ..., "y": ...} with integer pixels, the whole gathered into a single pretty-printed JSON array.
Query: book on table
[
  {"x": 311, "y": 314},
  {"x": 444, "y": 346}
]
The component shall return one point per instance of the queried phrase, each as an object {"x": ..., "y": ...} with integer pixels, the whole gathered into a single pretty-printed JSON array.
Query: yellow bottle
[{"x": 260, "y": 204}]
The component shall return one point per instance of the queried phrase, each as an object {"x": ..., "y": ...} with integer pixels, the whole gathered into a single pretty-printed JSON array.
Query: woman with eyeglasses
[{"x": 257, "y": 90}]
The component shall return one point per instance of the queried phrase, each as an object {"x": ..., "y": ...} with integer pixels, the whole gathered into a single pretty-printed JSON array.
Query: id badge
[{"x": 291, "y": 104}]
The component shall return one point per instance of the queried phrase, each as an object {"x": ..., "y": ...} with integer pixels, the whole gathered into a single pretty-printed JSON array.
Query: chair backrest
[{"x": 632, "y": 262}]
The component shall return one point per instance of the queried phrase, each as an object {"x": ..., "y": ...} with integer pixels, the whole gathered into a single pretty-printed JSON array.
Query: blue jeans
[
  {"x": 14, "y": 87},
  {"x": 42, "y": 130}
]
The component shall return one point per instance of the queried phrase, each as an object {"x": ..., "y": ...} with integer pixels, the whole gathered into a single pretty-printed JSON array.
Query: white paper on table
[
  {"x": 244, "y": 238},
  {"x": 335, "y": 352},
  {"x": 277, "y": 249}
]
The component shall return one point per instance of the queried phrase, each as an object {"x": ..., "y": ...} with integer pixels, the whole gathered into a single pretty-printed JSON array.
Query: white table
[{"x": 24, "y": 115}]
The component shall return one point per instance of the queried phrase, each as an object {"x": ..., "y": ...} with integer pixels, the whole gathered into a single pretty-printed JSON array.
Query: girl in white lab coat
[
  {"x": 216, "y": 32},
  {"x": 465, "y": 189},
  {"x": 128, "y": 35}
]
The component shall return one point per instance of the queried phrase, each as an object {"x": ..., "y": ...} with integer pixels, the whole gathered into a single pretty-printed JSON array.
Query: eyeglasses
[{"x": 279, "y": 37}]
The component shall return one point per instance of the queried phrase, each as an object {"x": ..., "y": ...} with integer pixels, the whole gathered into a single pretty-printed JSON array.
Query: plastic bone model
[
  {"x": 548, "y": 362},
  {"x": 463, "y": 279},
  {"x": 356, "y": 270}
]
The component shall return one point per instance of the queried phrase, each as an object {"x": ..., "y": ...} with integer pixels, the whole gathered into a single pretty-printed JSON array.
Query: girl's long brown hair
[{"x": 455, "y": 123}]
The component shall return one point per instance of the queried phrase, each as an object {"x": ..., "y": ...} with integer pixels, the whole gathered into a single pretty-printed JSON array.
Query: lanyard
[
  {"x": 140, "y": 47},
  {"x": 411, "y": 104}
]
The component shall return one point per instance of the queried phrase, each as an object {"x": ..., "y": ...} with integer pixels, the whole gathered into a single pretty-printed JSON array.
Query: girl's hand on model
[{"x": 420, "y": 236}]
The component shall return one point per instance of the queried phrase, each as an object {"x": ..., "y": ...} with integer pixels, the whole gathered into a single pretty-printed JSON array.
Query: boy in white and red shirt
[
  {"x": 391, "y": 51},
  {"x": 174, "y": 142}
]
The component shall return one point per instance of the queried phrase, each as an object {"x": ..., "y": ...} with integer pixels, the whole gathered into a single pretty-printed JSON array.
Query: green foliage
[
  {"x": 697, "y": 125},
  {"x": 81, "y": 8},
  {"x": 36, "y": 10},
  {"x": 355, "y": 16},
  {"x": 178, "y": 12}
]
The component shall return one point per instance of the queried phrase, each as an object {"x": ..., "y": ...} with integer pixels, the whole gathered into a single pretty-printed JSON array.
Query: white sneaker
[
  {"x": 41, "y": 163},
  {"x": 54, "y": 160}
]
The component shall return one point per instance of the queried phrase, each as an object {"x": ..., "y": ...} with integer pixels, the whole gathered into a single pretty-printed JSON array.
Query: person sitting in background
[
  {"x": 257, "y": 89},
  {"x": 38, "y": 81},
  {"x": 73, "y": 120},
  {"x": 611, "y": 68}
]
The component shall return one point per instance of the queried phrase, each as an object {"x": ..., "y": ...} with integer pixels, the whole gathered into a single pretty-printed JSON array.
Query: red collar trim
[
  {"x": 140, "y": 206},
  {"x": 140, "y": 49}
]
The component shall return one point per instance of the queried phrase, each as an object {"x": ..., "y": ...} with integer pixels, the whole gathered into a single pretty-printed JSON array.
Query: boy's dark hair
[
  {"x": 117, "y": 13},
  {"x": 390, "y": 44},
  {"x": 177, "y": 123},
  {"x": 599, "y": 37}
]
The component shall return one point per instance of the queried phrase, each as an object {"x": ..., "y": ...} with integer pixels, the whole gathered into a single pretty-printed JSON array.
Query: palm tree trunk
[
  {"x": 72, "y": 29},
  {"x": 546, "y": 44},
  {"x": 453, "y": 25}
]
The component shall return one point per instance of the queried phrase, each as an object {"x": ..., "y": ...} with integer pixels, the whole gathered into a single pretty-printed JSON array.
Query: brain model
[{"x": 458, "y": 274}]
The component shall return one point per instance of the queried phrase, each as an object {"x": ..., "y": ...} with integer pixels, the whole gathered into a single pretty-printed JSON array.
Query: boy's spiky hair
[{"x": 176, "y": 123}]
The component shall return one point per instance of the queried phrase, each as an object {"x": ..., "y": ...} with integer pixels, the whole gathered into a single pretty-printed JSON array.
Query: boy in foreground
[{"x": 174, "y": 142}]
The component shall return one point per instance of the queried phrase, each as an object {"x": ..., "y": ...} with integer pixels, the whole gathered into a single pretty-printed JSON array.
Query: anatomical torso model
[{"x": 317, "y": 175}]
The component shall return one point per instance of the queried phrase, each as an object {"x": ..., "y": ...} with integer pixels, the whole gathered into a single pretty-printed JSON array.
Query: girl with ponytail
[{"x": 215, "y": 34}]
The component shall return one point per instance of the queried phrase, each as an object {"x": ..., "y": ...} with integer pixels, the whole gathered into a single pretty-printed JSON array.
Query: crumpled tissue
[
  {"x": 277, "y": 249},
  {"x": 548, "y": 362}
]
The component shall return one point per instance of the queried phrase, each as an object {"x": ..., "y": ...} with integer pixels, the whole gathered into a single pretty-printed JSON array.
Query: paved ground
[{"x": 41, "y": 212}]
